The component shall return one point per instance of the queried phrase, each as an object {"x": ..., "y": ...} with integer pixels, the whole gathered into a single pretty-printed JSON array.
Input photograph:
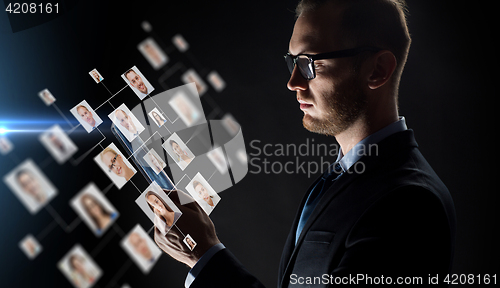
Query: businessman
[{"x": 396, "y": 218}]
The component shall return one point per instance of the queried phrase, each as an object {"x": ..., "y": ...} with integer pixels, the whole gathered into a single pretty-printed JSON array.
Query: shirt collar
[{"x": 362, "y": 147}]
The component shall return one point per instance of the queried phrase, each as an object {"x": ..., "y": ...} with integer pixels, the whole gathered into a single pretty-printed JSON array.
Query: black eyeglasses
[
  {"x": 112, "y": 163},
  {"x": 305, "y": 62}
]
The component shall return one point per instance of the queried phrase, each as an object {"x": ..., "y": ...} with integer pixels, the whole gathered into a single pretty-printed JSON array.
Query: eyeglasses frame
[{"x": 328, "y": 55}]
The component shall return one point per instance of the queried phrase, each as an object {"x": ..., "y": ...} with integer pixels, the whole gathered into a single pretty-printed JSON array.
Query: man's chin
[{"x": 318, "y": 126}]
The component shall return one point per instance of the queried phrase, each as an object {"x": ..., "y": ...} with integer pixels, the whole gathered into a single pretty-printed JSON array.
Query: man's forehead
[
  {"x": 315, "y": 32},
  {"x": 132, "y": 74}
]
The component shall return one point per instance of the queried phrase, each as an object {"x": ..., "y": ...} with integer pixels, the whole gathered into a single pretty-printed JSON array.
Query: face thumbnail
[
  {"x": 87, "y": 117},
  {"x": 115, "y": 165},
  {"x": 136, "y": 81},
  {"x": 79, "y": 268},
  {"x": 141, "y": 248},
  {"x": 203, "y": 193},
  {"x": 30, "y": 246},
  {"x": 94, "y": 209},
  {"x": 30, "y": 185}
]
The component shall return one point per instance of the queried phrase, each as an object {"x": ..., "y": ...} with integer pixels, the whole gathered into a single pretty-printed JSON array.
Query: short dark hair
[
  {"x": 128, "y": 71},
  {"x": 379, "y": 23}
]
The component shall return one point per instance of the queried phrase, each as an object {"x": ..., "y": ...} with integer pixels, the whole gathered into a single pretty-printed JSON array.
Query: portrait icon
[
  {"x": 5, "y": 145},
  {"x": 155, "y": 161},
  {"x": 216, "y": 156},
  {"x": 58, "y": 144},
  {"x": 139, "y": 84},
  {"x": 126, "y": 122},
  {"x": 216, "y": 81},
  {"x": 30, "y": 246},
  {"x": 153, "y": 53},
  {"x": 115, "y": 165},
  {"x": 191, "y": 76},
  {"x": 94, "y": 209},
  {"x": 156, "y": 204},
  {"x": 203, "y": 193},
  {"x": 185, "y": 108},
  {"x": 179, "y": 151},
  {"x": 96, "y": 76},
  {"x": 46, "y": 97},
  {"x": 180, "y": 43},
  {"x": 190, "y": 243},
  {"x": 79, "y": 268},
  {"x": 157, "y": 117},
  {"x": 141, "y": 248},
  {"x": 230, "y": 124},
  {"x": 30, "y": 185},
  {"x": 87, "y": 117}
]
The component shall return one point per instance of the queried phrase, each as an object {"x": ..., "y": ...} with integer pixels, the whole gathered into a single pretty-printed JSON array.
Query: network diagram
[{"x": 166, "y": 138}]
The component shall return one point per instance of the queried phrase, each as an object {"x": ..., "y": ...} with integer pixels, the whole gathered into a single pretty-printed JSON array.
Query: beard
[{"x": 346, "y": 105}]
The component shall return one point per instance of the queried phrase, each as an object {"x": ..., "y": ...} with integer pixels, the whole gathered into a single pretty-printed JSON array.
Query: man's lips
[{"x": 304, "y": 105}]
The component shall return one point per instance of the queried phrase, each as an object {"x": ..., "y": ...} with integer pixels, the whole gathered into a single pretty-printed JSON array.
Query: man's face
[
  {"x": 30, "y": 185},
  {"x": 136, "y": 81},
  {"x": 86, "y": 115},
  {"x": 202, "y": 192},
  {"x": 140, "y": 245},
  {"x": 333, "y": 100},
  {"x": 125, "y": 120}
]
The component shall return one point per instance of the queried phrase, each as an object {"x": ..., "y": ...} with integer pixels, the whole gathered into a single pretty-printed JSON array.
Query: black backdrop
[{"x": 444, "y": 81}]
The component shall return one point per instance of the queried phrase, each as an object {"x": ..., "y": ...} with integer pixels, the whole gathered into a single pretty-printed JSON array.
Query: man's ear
[{"x": 384, "y": 64}]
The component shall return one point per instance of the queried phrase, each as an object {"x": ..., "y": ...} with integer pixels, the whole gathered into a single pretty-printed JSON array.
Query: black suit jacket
[{"x": 395, "y": 219}]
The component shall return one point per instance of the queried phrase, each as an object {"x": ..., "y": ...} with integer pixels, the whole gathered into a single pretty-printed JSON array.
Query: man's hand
[{"x": 195, "y": 222}]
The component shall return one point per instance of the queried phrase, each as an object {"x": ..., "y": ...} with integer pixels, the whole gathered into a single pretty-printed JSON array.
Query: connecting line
[
  {"x": 140, "y": 192},
  {"x": 151, "y": 229},
  {"x": 171, "y": 71},
  {"x": 46, "y": 231},
  {"x": 77, "y": 161},
  {"x": 185, "y": 175},
  {"x": 73, "y": 129},
  {"x": 107, "y": 188},
  {"x": 214, "y": 112},
  {"x": 198, "y": 130},
  {"x": 170, "y": 132},
  {"x": 211, "y": 175},
  {"x": 45, "y": 162},
  {"x": 105, "y": 87},
  {"x": 144, "y": 143},
  {"x": 110, "y": 98},
  {"x": 118, "y": 230},
  {"x": 175, "y": 119},
  {"x": 55, "y": 106},
  {"x": 179, "y": 230},
  {"x": 67, "y": 228},
  {"x": 119, "y": 274},
  {"x": 101, "y": 244},
  {"x": 210, "y": 101}
]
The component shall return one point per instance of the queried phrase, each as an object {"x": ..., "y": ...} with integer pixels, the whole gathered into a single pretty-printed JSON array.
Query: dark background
[{"x": 442, "y": 95}]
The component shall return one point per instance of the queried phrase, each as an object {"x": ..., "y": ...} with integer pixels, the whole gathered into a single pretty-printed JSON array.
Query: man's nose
[{"x": 297, "y": 82}]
